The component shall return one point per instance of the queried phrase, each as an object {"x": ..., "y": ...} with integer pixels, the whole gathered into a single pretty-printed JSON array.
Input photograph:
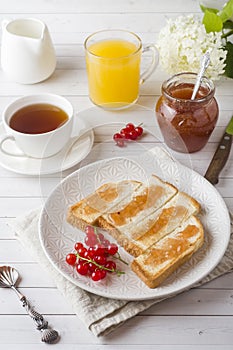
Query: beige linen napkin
[{"x": 100, "y": 315}]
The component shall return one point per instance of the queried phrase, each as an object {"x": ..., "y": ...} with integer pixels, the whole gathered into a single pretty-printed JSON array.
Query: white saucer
[{"x": 76, "y": 150}]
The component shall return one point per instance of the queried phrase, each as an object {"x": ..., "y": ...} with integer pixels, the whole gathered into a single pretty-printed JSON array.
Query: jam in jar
[{"x": 187, "y": 124}]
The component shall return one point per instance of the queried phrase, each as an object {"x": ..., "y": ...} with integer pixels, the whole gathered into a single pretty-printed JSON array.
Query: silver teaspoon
[
  {"x": 8, "y": 279},
  {"x": 205, "y": 61}
]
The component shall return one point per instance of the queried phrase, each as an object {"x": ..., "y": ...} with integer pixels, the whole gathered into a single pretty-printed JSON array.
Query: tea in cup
[
  {"x": 113, "y": 59},
  {"x": 39, "y": 125}
]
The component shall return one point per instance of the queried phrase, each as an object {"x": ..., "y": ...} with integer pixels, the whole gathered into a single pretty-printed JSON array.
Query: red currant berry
[
  {"x": 105, "y": 242},
  {"x": 103, "y": 273},
  {"x": 129, "y": 127},
  {"x": 82, "y": 269},
  {"x": 119, "y": 139},
  {"x": 123, "y": 132},
  {"x": 99, "y": 249},
  {"x": 92, "y": 248},
  {"x": 90, "y": 241},
  {"x": 78, "y": 245},
  {"x": 117, "y": 136},
  {"x": 91, "y": 267},
  {"x": 71, "y": 259},
  {"x": 100, "y": 259},
  {"x": 96, "y": 275},
  {"x": 139, "y": 130},
  {"x": 91, "y": 253},
  {"x": 82, "y": 251},
  {"x": 90, "y": 230},
  {"x": 86, "y": 255},
  {"x": 112, "y": 249},
  {"x": 111, "y": 265},
  {"x": 133, "y": 135}
]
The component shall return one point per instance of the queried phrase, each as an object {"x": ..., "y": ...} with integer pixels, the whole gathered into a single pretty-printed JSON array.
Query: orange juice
[{"x": 113, "y": 67}]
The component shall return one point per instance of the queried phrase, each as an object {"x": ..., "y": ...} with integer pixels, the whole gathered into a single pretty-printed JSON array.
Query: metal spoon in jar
[
  {"x": 8, "y": 278},
  {"x": 205, "y": 61}
]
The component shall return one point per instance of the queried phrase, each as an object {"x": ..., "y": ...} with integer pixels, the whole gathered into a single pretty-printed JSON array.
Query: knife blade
[{"x": 221, "y": 155}]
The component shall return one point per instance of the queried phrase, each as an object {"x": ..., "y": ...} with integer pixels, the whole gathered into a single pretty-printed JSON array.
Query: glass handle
[{"x": 154, "y": 62}]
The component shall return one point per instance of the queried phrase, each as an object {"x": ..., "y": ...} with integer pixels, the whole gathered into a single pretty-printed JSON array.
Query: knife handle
[{"x": 219, "y": 159}]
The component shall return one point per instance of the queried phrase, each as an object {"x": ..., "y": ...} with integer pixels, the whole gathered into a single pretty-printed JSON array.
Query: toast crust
[
  {"x": 153, "y": 283},
  {"x": 75, "y": 221}
]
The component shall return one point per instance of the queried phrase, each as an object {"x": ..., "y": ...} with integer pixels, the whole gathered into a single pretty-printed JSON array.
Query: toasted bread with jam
[
  {"x": 164, "y": 257},
  {"x": 153, "y": 221},
  {"x": 109, "y": 195}
]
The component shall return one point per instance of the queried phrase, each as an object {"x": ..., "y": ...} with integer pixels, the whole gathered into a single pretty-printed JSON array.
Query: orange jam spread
[
  {"x": 95, "y": 203},
  {"x": 172, "y": 247},
  {"x": 108, "y": 194},
  {"x": 139, "y": 203},
  {"x": 166, "y": 216},
  {"x": 84, "y": 209}
]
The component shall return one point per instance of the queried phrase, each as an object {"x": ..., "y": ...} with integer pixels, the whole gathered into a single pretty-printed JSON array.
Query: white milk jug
[{"x": 27, "y": 52}]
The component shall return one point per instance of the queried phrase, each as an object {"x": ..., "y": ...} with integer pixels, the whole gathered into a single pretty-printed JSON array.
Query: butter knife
[{"x": 221, "y": 155}]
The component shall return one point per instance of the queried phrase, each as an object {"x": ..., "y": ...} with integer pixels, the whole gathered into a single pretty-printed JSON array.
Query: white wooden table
[{"x": 199, "y": 319}]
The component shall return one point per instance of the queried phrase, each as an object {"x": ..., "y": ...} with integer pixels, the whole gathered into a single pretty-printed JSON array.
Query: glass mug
[
  {"x": 187, "y": 124},
  {"x": 113, "y": 59}
]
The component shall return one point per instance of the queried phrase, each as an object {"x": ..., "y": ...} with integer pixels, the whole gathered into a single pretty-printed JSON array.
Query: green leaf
[
  {"x": 229, "y": 128},
  {"x": 229, "y": 60},
  {"x": 203, "y": 8},
  {"x": 227, "y": 11},
  {"x": 228, "y": 25},
  {"x": 212, "y": 22}
]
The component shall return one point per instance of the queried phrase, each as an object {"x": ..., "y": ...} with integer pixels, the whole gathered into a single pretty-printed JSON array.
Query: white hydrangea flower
[{"x": 182, "y": 43}]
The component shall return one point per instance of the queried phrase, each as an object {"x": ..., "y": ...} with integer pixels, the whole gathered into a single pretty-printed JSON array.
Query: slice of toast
[
  {"x": 86, "y": 211},
  {"x": 164, "y": 257},
  {"x": 162, "y": 222},
  {"x": 147, "y": 199}
]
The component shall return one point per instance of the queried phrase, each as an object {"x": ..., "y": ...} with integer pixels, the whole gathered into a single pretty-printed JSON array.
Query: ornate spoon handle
[
  {"x": 204, "y": 65},
  {"x": 48, "y": 335}
]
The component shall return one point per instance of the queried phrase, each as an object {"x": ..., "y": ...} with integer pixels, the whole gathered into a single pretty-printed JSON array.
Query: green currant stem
[
  {"x": 119, "y": 258},
  {"x": 97, "y": 235},
  {"x": 96, "y": 231},
  {"x": 118, "y": 272}
]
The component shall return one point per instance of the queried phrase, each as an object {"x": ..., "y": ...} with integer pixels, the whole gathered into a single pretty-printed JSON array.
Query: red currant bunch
[
  {"x": 96, "y": 258},
  {"x": 129, "y": 132}
]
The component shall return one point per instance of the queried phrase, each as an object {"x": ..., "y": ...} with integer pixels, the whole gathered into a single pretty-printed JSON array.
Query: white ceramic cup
[{"x": 36, "y": 145}]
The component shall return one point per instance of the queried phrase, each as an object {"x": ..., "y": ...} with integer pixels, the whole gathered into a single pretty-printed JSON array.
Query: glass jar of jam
[{"x": 187, "y": 124}]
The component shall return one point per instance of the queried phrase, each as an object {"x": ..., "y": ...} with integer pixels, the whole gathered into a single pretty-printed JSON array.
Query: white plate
[
  {"x": 76, "y": 150},
  {"x": 58, "y": 237}
]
